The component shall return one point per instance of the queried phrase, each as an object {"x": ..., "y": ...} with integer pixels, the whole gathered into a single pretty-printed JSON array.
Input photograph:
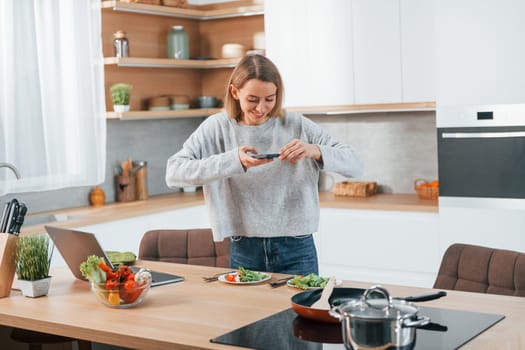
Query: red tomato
[
  {"x": 112, "y": 274},
  {"x": 124, "y": 271},
  {"x": 129, "y": 292},
  {"x": 231, "y": 277},
  {"x": 112, "y": 284}
]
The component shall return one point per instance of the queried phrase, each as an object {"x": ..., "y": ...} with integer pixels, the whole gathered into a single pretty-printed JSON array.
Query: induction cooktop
[{"x": 449, "y": 329}]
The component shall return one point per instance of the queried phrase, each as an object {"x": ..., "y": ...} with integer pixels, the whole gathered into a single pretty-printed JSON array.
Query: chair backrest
[
  {"x": 479, "y": 269},
  {"x": 192, "y": 246}
]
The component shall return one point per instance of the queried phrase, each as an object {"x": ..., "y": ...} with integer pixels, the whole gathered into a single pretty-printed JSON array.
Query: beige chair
[
  {"x": 480, "y": 269},
  {"x": 191, "y": 246}
]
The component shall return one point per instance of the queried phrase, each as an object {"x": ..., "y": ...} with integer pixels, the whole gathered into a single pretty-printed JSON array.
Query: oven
[{"x": 481, "y": 156}]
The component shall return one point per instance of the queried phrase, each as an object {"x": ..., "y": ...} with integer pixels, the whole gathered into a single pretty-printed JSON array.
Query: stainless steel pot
[{"x": 378, "y": 322}]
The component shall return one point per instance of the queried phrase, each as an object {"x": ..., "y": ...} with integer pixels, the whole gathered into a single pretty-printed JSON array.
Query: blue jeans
[{"x": 292, "y": 255}]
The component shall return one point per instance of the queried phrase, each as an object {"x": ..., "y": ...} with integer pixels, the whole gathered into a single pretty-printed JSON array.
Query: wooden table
[{"x": 187, "y": 315}]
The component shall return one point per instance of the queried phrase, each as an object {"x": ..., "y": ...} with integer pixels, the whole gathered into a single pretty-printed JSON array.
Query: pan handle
[
  {"x": 425, "y": 297},
  {"x": 420, "y": 321},
  {"x": 336, "y": 312}
]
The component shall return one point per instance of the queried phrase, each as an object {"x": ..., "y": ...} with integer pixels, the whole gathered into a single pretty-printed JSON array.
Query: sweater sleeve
[
  {"x": 336, "y": 156},
  {"x": 201, "y": 160}
]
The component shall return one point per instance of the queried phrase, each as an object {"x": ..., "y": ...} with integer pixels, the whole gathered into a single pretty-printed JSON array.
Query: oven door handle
[{"x": 480, "y": 135}]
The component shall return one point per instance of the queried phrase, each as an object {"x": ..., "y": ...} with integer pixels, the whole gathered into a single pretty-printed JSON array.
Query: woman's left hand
[{"x": 296, "y": 150}]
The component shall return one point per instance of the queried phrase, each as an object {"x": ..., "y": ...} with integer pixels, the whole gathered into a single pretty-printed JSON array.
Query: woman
[{"x": 268, "y": 207}]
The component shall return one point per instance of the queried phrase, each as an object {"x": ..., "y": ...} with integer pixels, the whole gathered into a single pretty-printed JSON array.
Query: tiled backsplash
[{"x": 396, "y": 148}]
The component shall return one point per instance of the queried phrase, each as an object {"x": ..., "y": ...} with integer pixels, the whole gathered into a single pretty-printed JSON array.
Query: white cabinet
[
  {"x": 310, "y": 42},
  {"x": 379, "y": 246},
  {"x": 393, "y": 51},
  {"x": 344, "y": 52},
  {"x": 376, "y": 51},
  {"x": 418, "y": 50},
  {"x": 480, "y": 52}
]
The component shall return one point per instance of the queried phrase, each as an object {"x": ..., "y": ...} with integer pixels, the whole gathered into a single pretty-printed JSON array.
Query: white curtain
[{"x": 52, "y": 106}]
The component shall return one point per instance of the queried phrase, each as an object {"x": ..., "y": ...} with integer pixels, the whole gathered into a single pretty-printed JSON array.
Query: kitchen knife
[
  {"x": 5, "y": 215},
  {"x": 13, "y": 213}
]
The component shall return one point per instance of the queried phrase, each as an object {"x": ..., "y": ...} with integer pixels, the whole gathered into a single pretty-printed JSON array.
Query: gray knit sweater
[{"x": 270, "y": 200}]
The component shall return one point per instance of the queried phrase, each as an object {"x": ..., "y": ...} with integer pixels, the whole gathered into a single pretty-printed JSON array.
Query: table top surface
[{"x": 187, "y": 315}]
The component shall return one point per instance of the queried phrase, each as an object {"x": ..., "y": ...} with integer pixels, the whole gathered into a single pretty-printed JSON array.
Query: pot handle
[
  {"x": 420, "y": 321},
  {"x": 380, "y": 290},
  {"x": 336, "y": 312}
]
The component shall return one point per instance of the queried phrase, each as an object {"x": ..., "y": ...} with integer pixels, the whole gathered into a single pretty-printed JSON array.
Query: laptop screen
[{"x": 75, "y": 247}]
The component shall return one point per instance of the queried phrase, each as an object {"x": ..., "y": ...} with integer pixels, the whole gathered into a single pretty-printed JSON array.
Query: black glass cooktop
[{"x": 449, "y": 329}]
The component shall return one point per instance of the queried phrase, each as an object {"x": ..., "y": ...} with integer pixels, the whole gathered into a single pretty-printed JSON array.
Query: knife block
[{"x": 8, "y": 244}]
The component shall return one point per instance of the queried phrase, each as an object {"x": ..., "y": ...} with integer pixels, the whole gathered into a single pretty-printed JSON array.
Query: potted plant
[
  {"x": 120, "y": 94},
  {"x": 33, "y": 260}
]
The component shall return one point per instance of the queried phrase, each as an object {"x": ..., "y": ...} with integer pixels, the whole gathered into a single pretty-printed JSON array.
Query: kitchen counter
[{"x": 84, "y": 216}]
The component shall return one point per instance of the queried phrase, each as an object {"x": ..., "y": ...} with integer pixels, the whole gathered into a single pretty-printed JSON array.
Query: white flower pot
[
  {"x": 36, "y": 288},
  {"x": 121, "y": 108}
]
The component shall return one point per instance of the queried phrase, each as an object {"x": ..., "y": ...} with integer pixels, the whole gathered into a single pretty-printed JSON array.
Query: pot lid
[{"x": 380, "y": 308}]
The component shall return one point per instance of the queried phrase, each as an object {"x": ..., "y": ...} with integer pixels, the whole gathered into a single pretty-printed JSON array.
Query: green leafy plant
[
  {"x": 33, "y": 257},
  {"x": 120, "y": 93}
]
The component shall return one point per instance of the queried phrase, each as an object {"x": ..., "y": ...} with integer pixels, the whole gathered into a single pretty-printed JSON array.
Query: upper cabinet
[
  {"x": 354, "y": 52},
  {"x": 480, "y": 52},
  {"x": 418, "y": 50},
  {"x": 376, "y": 51},
  {"x": 310, "y": 42},
  {"x": 148, "y": 68}
]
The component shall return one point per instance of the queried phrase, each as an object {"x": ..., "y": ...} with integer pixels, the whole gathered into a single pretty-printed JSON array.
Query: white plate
[
  {"x": 290, "y": 284},
  {"x": 222, "y": 278}
]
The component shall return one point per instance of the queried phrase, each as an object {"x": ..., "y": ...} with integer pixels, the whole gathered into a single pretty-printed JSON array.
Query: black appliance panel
[
  {"x": 491, "y": 165},
  {"x": 285, "y": 330}
]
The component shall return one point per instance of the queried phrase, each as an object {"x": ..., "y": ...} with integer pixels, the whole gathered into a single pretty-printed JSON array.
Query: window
[{"x": 52, "y": 106}]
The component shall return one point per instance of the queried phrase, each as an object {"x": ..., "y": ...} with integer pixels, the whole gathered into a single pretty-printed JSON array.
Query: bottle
[
  {"x": 141, "y": 179},
  {"x": 121, "y": 44},
  {"x": 178, "y": 46}
]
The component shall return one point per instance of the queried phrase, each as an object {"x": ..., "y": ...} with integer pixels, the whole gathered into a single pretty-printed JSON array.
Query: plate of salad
[
  {"x": 244, "y": 276},
  {"x": 308, "y": 282}
]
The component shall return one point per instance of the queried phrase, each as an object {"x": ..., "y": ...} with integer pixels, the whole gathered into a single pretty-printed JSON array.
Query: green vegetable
[
  {"x": 308, "y": 281},
  {"x": 92, "y": 271},
  {"x": 250, "y": 276},
  {"x": 120, "y": 258}
]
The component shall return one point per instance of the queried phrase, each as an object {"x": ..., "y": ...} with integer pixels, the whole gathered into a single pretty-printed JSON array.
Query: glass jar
[
  {"x": 121, "y": 44},
  {"x": 178, "y": 45}
]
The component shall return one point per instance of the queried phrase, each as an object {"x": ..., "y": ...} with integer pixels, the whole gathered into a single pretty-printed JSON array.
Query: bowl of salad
[{"x": 119, "y": 287}]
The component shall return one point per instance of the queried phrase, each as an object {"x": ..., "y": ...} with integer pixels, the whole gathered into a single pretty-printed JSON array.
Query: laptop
[{"x": 75, "y": 247}]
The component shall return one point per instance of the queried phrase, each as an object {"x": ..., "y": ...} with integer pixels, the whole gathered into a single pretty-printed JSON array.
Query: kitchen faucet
[{"x": 12, "y": 167}]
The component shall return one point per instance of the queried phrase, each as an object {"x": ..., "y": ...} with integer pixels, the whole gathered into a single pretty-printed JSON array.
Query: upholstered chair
[
  {"x": 480, "y": 269},
  {"x": 191, "y": 246}
]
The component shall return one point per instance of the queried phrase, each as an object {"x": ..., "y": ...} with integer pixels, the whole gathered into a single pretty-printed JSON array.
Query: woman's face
[{"x": 257, "y": 99}]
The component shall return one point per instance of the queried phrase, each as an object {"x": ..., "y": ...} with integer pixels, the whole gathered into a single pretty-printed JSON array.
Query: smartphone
[{"x": 265, "y": 156}]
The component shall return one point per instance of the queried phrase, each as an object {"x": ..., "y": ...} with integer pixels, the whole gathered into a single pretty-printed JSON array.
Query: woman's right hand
[{"x": 247, "y": 161}]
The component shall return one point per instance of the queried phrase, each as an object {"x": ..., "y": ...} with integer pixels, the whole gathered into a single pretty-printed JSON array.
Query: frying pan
[{"x": 302, "y": 302}]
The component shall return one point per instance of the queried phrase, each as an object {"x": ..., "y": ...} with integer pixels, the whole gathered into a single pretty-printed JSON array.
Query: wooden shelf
[
  {"x": 171, "y": 114},
  {"x": 170, "y": 62},
  {"x": 368, "y": 108},
  {"x": 189, "y": 13}
]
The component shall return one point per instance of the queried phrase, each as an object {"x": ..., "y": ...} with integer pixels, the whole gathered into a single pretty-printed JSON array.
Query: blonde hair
[{"x": 253, "y": 67}]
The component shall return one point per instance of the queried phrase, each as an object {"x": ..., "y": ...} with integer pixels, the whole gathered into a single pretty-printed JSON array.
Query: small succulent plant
[
  {"x": 33, "y": 257},
  {"x": 120, "y": 93}
]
